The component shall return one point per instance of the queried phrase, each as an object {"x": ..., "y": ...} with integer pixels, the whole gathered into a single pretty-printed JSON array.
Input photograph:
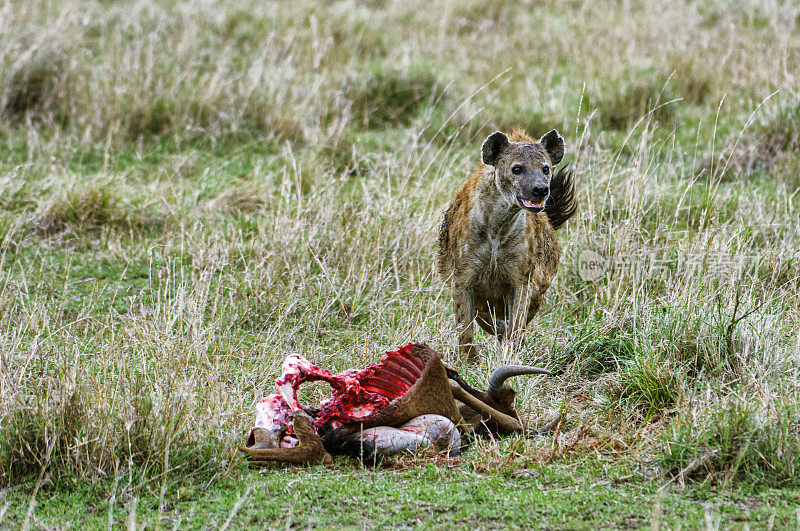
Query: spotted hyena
[{"x": 497, "y": 244}]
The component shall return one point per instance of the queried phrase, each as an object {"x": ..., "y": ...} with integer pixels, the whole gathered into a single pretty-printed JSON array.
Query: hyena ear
[
  {"x": 553, "y": 143},
  {"x": 492, "y": 147}
]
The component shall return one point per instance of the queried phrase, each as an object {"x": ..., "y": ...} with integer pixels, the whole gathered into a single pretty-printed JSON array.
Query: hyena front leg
[
  {"x": 518, "y": 304},
  {"x": 464, "y": 310}
]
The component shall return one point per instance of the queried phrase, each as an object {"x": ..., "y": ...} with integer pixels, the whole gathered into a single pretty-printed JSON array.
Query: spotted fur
[{"x": 499, "y": 256}]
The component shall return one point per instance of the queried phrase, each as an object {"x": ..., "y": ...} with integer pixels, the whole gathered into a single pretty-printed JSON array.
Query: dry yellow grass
[{"x": 190, "y": 190}]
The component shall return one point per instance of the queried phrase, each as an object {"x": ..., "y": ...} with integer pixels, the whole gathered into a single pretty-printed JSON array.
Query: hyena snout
[
  {"x": 533, "y": 195},
  {"x": 539, "y": 191}
]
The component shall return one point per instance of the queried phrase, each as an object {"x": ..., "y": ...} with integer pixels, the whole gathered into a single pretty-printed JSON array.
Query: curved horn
[
  {"x": 500, "y": 375},
  {"x": 547, "y": 428}
]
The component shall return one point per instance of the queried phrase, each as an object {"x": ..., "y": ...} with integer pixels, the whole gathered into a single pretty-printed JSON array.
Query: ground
[
  {"x": 190, "y": 191},
  {"x": 586, "y": 496}
]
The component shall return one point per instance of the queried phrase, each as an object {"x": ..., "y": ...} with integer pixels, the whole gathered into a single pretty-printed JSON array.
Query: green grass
[
  {"x": 583, "y": 497},
  {"x": 190, "y": 192}
]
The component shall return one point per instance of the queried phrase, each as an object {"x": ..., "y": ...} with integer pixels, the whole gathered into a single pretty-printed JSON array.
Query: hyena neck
[{"x": 493, "y": 211}]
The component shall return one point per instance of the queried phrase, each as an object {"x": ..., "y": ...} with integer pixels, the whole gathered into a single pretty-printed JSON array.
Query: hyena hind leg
[
  {"x": 519, "y": 303},
  {"x": 464, "y": 310}
]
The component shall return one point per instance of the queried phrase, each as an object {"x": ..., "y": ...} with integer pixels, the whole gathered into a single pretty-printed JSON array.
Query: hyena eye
[
  {"x": 516, "y": 170},
  {"x": 546, "y": 170}
]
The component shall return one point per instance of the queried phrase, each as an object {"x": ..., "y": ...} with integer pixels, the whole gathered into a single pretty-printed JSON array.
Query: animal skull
[{"x": 406, "y": 402}]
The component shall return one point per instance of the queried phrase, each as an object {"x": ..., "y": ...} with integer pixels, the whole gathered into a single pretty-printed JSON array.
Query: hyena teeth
[{"x": 531, "y": 204}]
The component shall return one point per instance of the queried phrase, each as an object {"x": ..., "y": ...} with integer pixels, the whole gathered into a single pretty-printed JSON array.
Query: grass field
[{"x": 191, "y": 190}]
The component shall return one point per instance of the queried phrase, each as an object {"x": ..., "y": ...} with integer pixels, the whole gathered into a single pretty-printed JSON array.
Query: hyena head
[{"x": 522, "y": 170}]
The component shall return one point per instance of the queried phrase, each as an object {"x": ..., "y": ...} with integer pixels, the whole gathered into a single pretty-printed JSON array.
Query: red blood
[
  {"x": 356, "y": 394},
  {"x": 275, "y": 415}
]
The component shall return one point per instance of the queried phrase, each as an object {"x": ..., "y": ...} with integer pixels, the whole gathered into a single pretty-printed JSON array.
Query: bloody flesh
[{"x": 356, "y": 394}]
